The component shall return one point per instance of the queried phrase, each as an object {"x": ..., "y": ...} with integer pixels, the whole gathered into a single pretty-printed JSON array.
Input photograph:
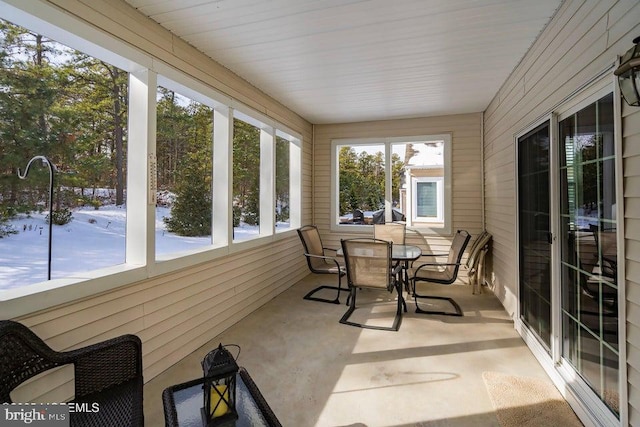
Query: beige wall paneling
[
  {"x": 465, "y": 130},
  {"x": 581, "y": 41},
  {"x": 631, "y": 159}
]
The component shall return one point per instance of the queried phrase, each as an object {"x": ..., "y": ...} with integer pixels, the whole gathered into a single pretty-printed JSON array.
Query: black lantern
[
  {"x": 629, "y": 74},
  {"x": 220, "y": 370}
]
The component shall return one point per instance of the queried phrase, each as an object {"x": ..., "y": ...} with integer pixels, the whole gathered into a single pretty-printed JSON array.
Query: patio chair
[
  {"x": 606, "y": 246},
  {"x": 368, "y": 264},
  {"x": 475, "y": 261},
  {"x": 108, "y": 373},
  {"x": 319, "y": 262},
  {"x": 394, "y": 233},
  {"x": 441, "y": 274}
]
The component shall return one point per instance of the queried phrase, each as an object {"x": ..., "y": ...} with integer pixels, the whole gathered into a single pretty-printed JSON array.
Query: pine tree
[{"x": 191, "y": 213}]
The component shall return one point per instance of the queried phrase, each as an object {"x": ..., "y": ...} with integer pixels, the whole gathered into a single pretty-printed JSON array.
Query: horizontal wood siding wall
[
  {"x": 582, "y": 40},
  {"x": 466, "y": 176},
  {"x": 176, "y": 313},
  {"x": 631, "y": 156}
]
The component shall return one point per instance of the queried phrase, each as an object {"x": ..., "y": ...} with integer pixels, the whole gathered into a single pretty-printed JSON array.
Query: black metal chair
[
  {"x": 369, "y": 266},
  {"x": 441, "y": 274},
  {"x": 108, "y": 373},
  {"x": 319, "y": 262}
]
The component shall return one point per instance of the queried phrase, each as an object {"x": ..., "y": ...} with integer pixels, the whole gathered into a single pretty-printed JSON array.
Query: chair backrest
[
  {"x": 23, "y": 355},
  {"x": 310, "y": 237},
  {"x": 394, "y": 233},
  {"x": 476, "y": 249},
  {"x": 459, "y": 244},
  {"x": 368, "y": 263}
]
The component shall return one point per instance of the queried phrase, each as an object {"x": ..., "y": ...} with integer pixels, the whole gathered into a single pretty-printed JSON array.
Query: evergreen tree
[
  {"x": 191, "y": 213},
  {"x": 246, "y": 171}
]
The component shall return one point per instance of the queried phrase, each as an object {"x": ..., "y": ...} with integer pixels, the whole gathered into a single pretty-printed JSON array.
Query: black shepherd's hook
[{"x": 52, "y": 170}]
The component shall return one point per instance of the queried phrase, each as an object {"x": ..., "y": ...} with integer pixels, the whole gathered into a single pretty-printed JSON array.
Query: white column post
[
  {"x": 267, "y": 181},
  {"x": 222, "y": 176},
  {"x": 141, "y": 169}
]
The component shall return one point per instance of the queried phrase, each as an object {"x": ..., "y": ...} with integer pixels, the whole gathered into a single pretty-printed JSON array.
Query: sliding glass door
[
  {"x": 589, "y": 255},
  {"x": 534, "y": 233},
  {"x": 569, "y": 294}
]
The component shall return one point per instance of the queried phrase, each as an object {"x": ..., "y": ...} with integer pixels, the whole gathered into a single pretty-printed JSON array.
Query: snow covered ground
[{"x": 92, "y": 240}]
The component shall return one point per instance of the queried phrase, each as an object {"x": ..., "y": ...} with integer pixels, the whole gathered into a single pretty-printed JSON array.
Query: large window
[
  {"x": 287, "y": 176},
  {"x": 125, "y": 139},
  {"x": 393, "y": 179},
  {"x": 246, "y": 180},
  {"x": 184, "y": 153},
  {"x": 72, "y": 108}
]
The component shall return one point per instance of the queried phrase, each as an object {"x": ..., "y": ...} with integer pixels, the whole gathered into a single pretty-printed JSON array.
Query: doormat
[{"x": 528, "y": 402}]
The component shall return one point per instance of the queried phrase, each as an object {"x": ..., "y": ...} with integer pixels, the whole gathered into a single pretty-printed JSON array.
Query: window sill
[{"x": 44, "y": 295}]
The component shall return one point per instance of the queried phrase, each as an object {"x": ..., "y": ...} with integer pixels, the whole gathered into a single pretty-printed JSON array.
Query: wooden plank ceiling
[{"x": 335, "y": 61}]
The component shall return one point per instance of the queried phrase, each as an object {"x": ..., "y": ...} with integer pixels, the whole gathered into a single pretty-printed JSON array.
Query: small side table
[{"x": 182, "y": 403}]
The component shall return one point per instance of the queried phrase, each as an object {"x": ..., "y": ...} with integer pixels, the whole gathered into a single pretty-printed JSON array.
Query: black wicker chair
[{"x": 108, "y": 373}]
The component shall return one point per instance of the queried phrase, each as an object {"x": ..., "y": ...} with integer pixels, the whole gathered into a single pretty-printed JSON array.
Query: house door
[
  {"x": 589, "y": 255},
  {"x": 568, "y": 233},
  {"x": 534, "y": 232}
]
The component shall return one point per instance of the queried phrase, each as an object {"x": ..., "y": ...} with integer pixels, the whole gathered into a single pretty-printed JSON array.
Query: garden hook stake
[{"x": 52, "y": 170}]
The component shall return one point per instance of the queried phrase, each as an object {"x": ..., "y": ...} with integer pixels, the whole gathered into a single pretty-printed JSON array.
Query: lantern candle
[{"x": 219, "y": 399}]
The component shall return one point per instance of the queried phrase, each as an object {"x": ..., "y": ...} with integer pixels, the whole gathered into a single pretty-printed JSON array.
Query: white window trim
[{"x": 388, "y": 142}]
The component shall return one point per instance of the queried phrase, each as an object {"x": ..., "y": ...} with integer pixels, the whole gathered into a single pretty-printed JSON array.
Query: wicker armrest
[{"x": 106, "y": 364}]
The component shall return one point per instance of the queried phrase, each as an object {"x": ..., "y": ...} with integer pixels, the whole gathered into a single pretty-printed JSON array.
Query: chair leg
[
  {"x": 309, "y": 295},
  {"x": 352, "y": 306},
  {"x": 458, "y": 311}
]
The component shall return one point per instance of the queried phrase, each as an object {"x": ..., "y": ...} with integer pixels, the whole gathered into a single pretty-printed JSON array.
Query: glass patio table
[{"x": 183, "y": 404}]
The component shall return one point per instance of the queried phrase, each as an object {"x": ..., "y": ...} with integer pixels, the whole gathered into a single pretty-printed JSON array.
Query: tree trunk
[{"x": 118, "y": 136}]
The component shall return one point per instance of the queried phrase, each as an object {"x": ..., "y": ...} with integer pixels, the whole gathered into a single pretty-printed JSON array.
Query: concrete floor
[{"x": 314, "y": 371}]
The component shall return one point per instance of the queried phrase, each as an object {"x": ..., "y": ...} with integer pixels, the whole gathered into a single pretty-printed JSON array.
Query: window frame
[
  {"x": 146, "y": 73},
  {"x": 387, "y": 143}
]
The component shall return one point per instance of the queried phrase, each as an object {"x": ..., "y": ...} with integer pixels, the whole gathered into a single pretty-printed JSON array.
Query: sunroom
[{"x": 189, "y": 140}]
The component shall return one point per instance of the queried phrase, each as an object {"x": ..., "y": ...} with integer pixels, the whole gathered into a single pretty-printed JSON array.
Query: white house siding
[
  {"x": 176, "y": 313},
  {"x": 466, "y": 132},
  {"x": 581, "y": 40}
]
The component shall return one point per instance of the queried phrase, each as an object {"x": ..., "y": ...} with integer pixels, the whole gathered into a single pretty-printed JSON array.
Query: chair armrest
[
  {"x": 437, "y": 264},
  {"x": 397, "y": 269},
  {"x": 326, "y": 258},
  {"x": 329, "y": 249},
  {"x": 442, "y": 254},
  {"x": 107, "y": 364}
]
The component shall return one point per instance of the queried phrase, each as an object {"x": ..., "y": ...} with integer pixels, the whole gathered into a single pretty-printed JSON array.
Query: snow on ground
[{"x": 93, "y": 239}]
